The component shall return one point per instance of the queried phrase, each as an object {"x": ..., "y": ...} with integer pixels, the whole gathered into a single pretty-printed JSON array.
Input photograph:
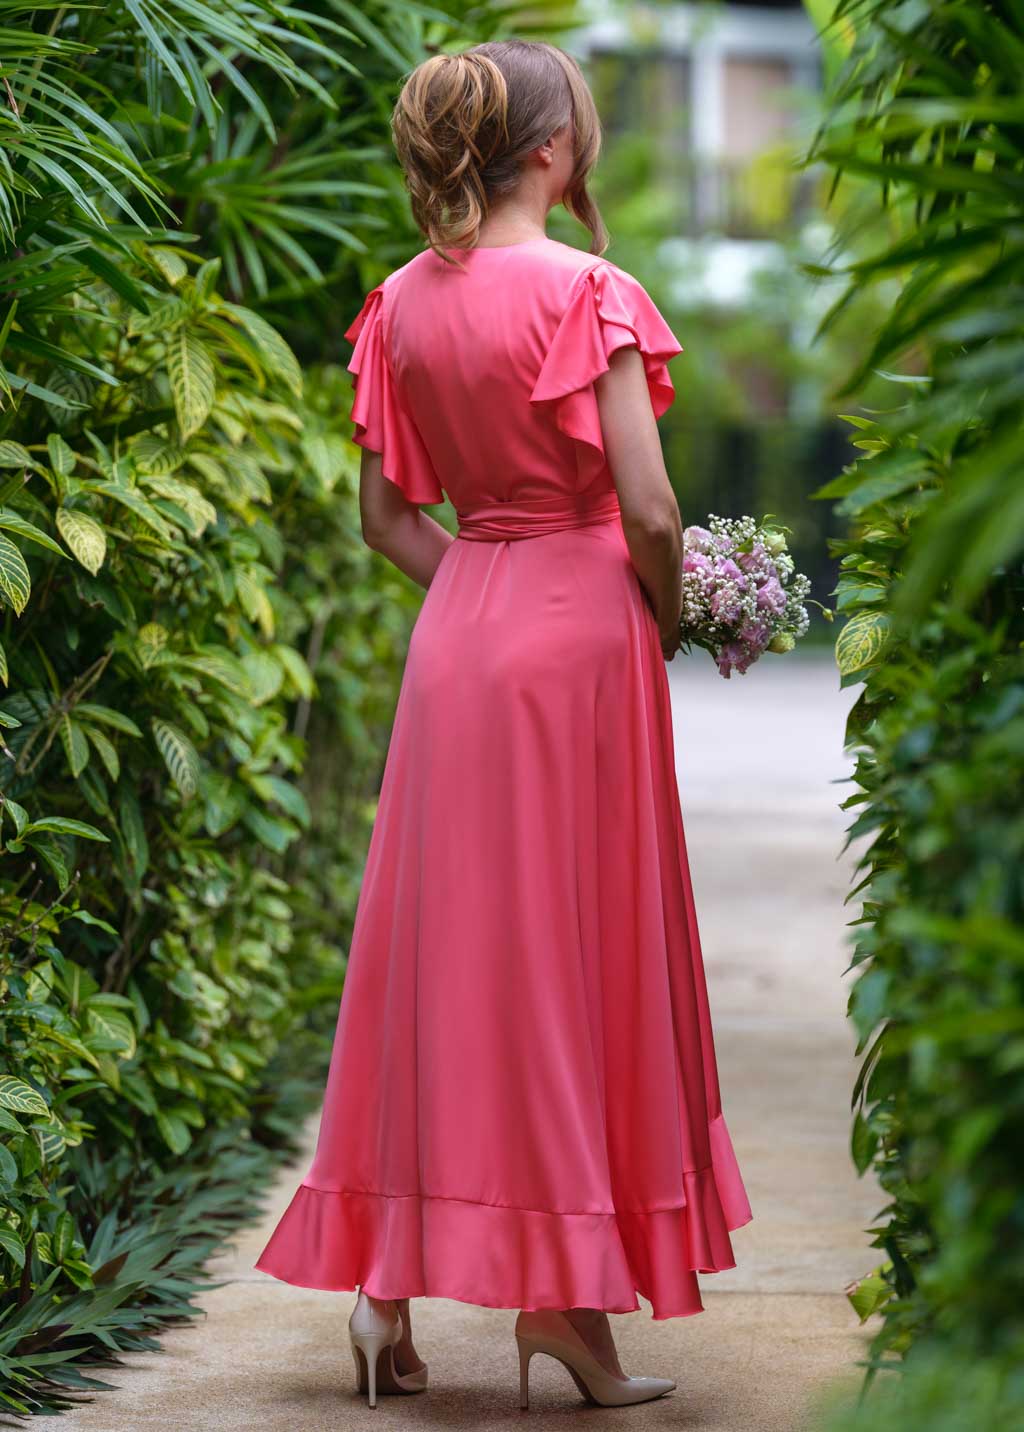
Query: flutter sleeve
[
  {"x": 381, "y": 420},
  {"x": 607, "y": 309}
]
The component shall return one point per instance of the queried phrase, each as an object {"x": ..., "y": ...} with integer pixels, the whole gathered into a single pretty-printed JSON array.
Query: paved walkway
[{"x": 756, "y": 755}]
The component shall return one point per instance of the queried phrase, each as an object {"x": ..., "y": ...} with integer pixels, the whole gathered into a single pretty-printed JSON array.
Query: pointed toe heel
[
  {"x": 548, "y": 1331},
  {"x": 374, "y": 1335}
]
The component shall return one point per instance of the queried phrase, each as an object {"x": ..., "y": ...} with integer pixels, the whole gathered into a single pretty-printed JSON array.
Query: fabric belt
[{"x": 535, "y": 516}]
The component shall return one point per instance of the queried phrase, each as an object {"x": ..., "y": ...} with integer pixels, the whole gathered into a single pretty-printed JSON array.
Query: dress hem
[{"x": 500, "y": 1256}]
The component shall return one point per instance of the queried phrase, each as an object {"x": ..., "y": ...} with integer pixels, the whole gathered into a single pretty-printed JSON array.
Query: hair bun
[{"x": 464, "y": 124}]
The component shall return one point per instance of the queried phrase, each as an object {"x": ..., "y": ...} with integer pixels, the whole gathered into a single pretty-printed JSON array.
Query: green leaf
[
  {"x": 870, "y": 1294},
  {"x": 12, "y": 1245},
  {"x": 861, "y": 641},
  {"x": 84, "y": 536},
  {"x": 191, "y": 373},
  {"x": 278, "y": 359},
  {"x": 53, "y": 857},
  {"x": 63, "y": 825},
  {"x": 296, "y": 668},
  {"x": 175, "y": 1132},
  {"x": 106, "y": 750},
  {"x": 107, "y": 716},
  {"x": 131, "y": 498},
  {"x": 14, "y": 455},
  {"x": 21, "y": 1097},
  {"x": 62, "y": 459},
  {"x": 51, "y": 1140},
  {"x": 180, "y": 756},
  {"x": 76, "y": 747},
  {"x": 170, "y": 263},
  {"x": 863, "y": 1142},
  {"x": 115, "y": 1026},
  {"x": 14, "y": 522},
  {"x": 200, "y": 512},
  {"x": 15, "y": 583},
  {"x": 63, "y": 1237},
  {"x": 8, "y": 1167}
]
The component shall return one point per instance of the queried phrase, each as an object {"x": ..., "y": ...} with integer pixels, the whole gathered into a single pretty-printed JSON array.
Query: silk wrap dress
[{"x": 523, "y": 1104}]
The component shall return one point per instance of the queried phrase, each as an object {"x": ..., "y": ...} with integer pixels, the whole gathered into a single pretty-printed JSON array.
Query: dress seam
[{"x": 509, "y": 1207}]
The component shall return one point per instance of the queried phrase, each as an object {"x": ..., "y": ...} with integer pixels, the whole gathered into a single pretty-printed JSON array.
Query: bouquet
[{"x": 741, "y": 592}]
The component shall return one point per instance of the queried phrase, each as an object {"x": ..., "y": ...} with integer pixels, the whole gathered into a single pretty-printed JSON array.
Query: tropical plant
[
  {"x": 199, "y": 656},
  {"x": 925, "y": 121}
]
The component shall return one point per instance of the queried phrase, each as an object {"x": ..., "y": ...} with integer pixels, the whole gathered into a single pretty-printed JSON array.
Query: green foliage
[
  {"x": 198, "y": 654},
  {"x": 937, "y": 1390},
  {"x": 928, "y": 105}
]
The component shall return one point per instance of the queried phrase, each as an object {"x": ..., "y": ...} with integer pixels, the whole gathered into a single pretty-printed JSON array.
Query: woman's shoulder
[{"x": 546, "y": 255}]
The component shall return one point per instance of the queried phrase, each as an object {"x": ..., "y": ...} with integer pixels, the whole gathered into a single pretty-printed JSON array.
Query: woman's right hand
[{"x": 670, "y": 643}]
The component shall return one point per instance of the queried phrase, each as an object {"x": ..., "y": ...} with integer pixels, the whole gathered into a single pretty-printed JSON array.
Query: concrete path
[{"x": 755, "y": 758}]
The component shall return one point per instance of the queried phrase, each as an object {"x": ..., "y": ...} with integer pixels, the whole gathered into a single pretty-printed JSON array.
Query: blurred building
[
  {"x": 717, "y": 88},
  {"x": 706, "y": 108}
]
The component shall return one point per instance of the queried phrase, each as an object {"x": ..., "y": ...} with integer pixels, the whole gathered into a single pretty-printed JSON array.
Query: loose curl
[{"x": 464, "y": 124}]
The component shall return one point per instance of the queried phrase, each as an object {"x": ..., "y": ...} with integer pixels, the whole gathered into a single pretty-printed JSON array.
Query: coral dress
[{"x": 523, "y": 1107}]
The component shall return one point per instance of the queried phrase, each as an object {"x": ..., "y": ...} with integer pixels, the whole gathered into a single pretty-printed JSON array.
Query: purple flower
[
  {"x": 771, "y": 597},
  {"x": 754, "y": 635},
  {"x": 698, "y": 538},
  {"x": 732, "y": 657},
  {"x": 726, "y": 567},
  {"x": 696, "y": 562},
  {"x": 725, "y": 605}
]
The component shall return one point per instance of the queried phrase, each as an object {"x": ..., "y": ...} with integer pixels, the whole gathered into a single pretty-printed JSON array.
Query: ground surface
[{"x": 756, "y": 756}]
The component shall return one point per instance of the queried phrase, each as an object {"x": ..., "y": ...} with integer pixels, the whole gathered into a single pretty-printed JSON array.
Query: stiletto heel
[
  {"x": 550, "y": 1331},
  {"x": 525, "y": 1353},
  {"x": 374, "y": 1335},
  {"x": 371, "y": 1346}
]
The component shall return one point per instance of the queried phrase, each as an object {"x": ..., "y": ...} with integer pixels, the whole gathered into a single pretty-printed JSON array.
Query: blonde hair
[{"x": 464, "y": 124}]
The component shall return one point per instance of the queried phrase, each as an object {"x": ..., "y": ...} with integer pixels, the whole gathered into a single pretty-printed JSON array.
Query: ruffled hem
[
  {"x": 607, "y": 309},
  {"x": 382, "y": 423},
  {"x": 491, "y": 1255}
]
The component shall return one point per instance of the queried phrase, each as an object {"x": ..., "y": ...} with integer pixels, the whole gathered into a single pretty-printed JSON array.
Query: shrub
[{"x": 932, "y": 586}]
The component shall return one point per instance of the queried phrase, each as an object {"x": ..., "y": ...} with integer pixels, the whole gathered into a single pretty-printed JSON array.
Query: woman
[{"x": 522, "y": 1109}]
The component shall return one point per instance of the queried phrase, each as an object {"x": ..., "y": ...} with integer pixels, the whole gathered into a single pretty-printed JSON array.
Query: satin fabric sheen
[{"x": 523, "y": 1107}]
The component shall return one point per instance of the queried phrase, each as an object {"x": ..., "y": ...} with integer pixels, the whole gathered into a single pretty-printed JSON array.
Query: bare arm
[
  {"x": 395, "y": 527},
  {"x": 650, "y": 513}
]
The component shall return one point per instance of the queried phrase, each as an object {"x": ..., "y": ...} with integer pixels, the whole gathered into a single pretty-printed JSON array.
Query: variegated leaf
[
  {"x": 84, "y": 536},
  {"x": 191, "y": 373},
  {"x": 15, "y": 583},
  {"x": 180, "y": 756},
  {"x": 21, "y": 1097}
]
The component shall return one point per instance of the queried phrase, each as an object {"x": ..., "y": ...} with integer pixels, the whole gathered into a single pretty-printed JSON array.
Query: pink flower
[
  {"x": 725, "y": 605},
  {"x": 771, "y": 597},
  {"x": 727, "y": 568},
  {"x": 755, "y": 635},
  {"x": 732, "y": 657}
]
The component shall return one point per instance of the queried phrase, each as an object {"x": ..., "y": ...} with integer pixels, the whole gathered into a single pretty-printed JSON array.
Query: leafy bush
[
  {"x": 927, "y": 105},
  {"x": 199, "y": 654}
]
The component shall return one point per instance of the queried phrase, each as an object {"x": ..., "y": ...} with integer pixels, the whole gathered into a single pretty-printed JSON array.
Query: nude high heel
[
  {"x": 374, "y": 1334},
  {"x": 548, "y": 1330}
]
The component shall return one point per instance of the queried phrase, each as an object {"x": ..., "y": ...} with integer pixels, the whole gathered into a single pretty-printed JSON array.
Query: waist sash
[{"x": 535, "y": 516}]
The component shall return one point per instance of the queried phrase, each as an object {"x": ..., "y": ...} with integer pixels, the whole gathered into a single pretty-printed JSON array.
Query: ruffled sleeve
[
  {"x": 607, "y": 309},
  {"x": 382, "y": 422}
]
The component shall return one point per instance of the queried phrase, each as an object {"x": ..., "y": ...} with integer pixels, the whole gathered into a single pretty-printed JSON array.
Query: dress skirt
[{"x": 523, "y": 1106}]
